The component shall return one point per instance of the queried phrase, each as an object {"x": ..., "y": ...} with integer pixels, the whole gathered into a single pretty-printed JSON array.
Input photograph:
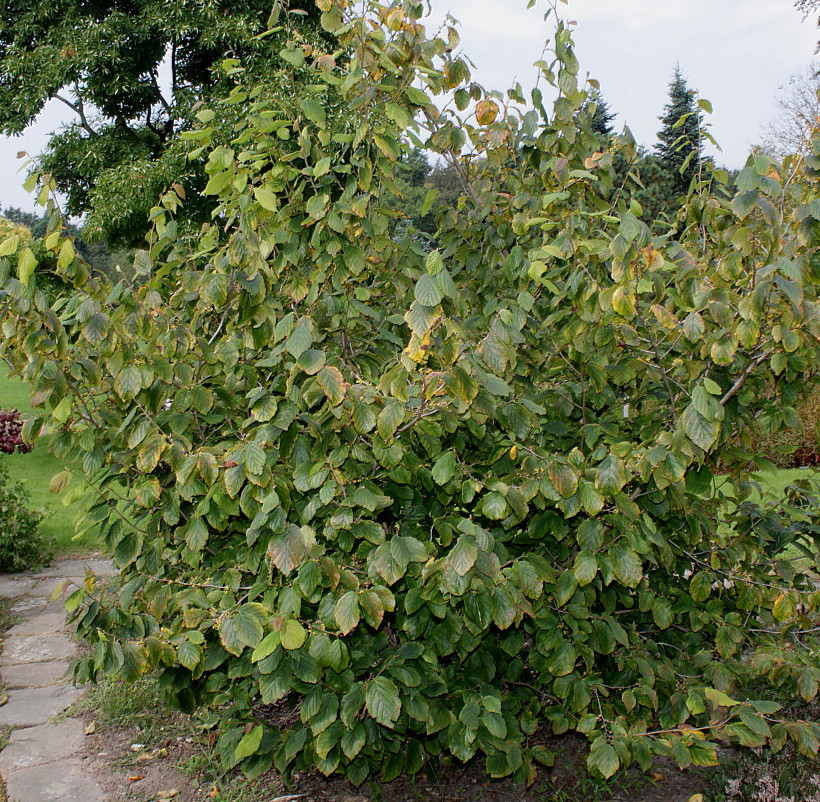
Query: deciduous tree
[{"x": 428, "y": 503}]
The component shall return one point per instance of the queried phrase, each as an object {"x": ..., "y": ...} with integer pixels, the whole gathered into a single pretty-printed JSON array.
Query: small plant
[{"x": 20, "y": 544}]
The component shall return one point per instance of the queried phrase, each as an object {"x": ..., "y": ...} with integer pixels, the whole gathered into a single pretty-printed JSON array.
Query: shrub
[
  {"x": 20, "y": 545},
  {"x": 428, "y": 503}
]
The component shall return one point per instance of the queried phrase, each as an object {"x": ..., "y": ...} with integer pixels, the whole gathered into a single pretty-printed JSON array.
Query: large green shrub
[
  {"x": 21, "y": 547},
  {"x": 430, "y": 504}
]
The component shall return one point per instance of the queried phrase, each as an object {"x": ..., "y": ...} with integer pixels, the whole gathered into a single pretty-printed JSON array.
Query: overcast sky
[{"x": 736, "y": 53}]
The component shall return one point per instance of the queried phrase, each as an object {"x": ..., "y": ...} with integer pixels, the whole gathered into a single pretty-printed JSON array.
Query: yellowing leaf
[{"x": 486, "y": 111}]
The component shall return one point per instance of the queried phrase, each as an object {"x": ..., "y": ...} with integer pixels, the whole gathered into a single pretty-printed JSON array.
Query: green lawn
[{"x": 34, "y": 470}]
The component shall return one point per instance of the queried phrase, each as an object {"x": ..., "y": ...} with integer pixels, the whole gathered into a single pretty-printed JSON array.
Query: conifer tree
[
  {"x": 680, "y": 141},
  {"x": 602, "y": 116}
]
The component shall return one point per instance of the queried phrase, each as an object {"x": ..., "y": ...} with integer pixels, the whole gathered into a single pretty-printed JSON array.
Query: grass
[{"x": 34, "y": 472}]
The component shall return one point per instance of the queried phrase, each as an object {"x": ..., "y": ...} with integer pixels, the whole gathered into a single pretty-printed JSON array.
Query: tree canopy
[{"x": 132, "y": 73}]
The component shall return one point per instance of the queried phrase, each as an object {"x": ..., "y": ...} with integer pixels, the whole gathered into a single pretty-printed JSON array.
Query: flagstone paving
[{"x": 41, "y": 762}]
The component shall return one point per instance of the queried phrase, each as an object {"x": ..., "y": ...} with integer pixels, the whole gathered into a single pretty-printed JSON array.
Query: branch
[
  {"x": 741, "y": 380},
  {"x": 78, "y": 109}
]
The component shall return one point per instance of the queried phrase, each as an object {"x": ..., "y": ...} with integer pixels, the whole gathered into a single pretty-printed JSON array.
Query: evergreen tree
[
  {"x": 602, "y": 117},
  {"x": 679, "y": 140}
]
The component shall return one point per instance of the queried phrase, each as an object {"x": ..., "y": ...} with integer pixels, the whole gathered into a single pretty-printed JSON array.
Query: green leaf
[
  {"x": 390, "y": 418},
  {"x": 744, "y": 202},
  {"x": 662, "y": 613},
  {"x": 294, "y": 56},
  {"x": 590, "y": 535},
  {"x": 626, "y": 564},
  {"x": 333, "y": 384},
  {"x": 314, "y": 111},
  {"x": 585, "y": 568},
  {"x": 383, "y": 702},
  {"x": 346, "y": 613},
  {"x": 603, "y": 758},
  {"x": 364, "y": 419},
  {"x": 196, "y": 535},
  {"x": 463, "y": 555},
  {"x": 700, "y": 587},
  {"x": 292, "y": 635},
  {"x": 301, "y": 338},
  {"x": 250, "y": 743},
  {"x": 9, "y": 245},
  {"x": 353, "y": 741},
  {"x": 495, "y": 506},
  {"x": 26, "y": 264},
  {"x": 427, "y": 291},
  {"x": 254, "y": 458},
  {"x": 128, "y": 382},
  {"x": 243, "y": 628},
  {"x": 266, "y": 647},
  {"x": 288, "y": 550},
  {"x": 311, "y": 361},
  {"x": 266, "y": 199},
  {"x": 562, "y": 660},
  {"x": 444, "y": 468},
  {"x": 611, "y": 476},
  {"x": 699, "y": 430},
  {"x": 189, "y": 655}
]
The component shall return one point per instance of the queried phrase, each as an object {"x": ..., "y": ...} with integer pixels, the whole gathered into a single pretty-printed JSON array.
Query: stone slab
[
  {"x": 33, "y": 706},
  {"x": 78, "y": 568},
  {"x": 34, "y": 675},
  {"x": 37, "y": 649},
  {"x": 32, "y": 605},
  {"x": 34, "y": 746},
  {"x": 43, "y": 624},
  {"x": 11, "y": 585},
  {"x": 61, "y": 781}
]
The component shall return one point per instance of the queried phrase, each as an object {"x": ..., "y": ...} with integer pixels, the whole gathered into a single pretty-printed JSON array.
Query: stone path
[{"x": 42, "y": 764}]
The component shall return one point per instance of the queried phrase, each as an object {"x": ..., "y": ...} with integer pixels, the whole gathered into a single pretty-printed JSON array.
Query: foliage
[
  {"x": 680, "y": 140},
  {"x": 109, "y": 63},
  {"x": 422, "y": 189},
  {"x": 424, "y": 504},
  {"x": 20, "y": 545},
  {"x": 98, "y": 255},
  {"x": 796, "y": 445}
]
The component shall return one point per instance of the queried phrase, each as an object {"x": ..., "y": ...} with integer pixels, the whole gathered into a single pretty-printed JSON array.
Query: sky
[{"x": 736, "y": 53}]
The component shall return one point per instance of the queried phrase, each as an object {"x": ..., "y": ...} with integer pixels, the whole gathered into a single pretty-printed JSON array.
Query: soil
[{"x": 130, "y": 771}]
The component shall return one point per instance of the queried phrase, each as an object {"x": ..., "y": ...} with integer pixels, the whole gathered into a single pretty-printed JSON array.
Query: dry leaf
[{"x": 91, "y": 728}]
